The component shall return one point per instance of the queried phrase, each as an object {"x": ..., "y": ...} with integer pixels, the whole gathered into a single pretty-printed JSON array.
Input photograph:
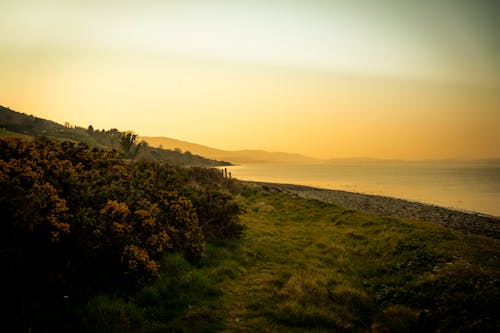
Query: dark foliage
[{"x": 76, "y": 221}]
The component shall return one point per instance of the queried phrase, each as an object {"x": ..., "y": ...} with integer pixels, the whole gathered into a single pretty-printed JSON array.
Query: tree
[{"x": 127, "y": 140}]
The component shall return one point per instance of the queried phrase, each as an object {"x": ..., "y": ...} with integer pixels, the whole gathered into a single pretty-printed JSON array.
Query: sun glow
[{"x": 327, "y": 79}]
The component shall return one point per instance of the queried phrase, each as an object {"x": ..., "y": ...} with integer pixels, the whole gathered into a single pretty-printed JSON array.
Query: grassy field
[
  {"x": 304, "y": 265},
  {"x": 6, "y": 133}
]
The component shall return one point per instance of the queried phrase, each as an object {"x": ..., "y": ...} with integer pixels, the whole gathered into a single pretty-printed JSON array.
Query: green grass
[
  {"x": 304, "y": 265},
  {"x": 6, "y": 133}
]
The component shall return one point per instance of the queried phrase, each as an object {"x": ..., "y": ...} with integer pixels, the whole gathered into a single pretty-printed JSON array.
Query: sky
[{"x": 328, "y": 79}]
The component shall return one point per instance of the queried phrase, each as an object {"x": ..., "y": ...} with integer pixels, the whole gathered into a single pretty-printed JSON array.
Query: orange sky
[{"x": 322, "y": 78}]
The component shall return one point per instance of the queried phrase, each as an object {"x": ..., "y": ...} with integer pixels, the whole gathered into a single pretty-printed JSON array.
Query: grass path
[
  {"x": 239, "y": 296},
  {"x": 260, "y": 248}
]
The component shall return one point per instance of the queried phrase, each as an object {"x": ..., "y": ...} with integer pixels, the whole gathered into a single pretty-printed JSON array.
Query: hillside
[
  {"x": 238, "y": 156},
  {"x": 33, "y": 126},
  {"x": 20, "y": 124}
]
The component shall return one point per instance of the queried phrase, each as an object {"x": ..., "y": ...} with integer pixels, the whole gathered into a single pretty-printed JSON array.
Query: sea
[{"x": 465, "y": 186}]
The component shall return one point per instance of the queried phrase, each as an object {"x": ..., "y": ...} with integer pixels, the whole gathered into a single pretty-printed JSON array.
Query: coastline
[{"x": 468, "y": 222}]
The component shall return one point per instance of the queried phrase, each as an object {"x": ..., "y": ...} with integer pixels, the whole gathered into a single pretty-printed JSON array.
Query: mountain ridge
[{"x": 233, "y": 156}]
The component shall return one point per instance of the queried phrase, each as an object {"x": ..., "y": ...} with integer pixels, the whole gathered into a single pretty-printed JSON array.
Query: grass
[
  {"x": 6, "y": 133},
  {"x": 304, "y": 265}
]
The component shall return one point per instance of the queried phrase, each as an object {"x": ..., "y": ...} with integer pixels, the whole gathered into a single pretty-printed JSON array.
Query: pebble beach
[{"x": 468, "y": 222}]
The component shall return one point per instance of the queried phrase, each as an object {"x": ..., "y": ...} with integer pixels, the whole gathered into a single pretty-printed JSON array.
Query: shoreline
[{"x": 468, "y": 222}]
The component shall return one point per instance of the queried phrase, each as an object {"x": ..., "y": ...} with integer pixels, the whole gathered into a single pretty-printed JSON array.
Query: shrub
[
  {"x": 76, "y": 221},
  {"x": 218, "y": 214}
]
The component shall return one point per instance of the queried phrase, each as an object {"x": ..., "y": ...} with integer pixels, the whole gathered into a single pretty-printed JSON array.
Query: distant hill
[
  {"x": 20, "y": 124},
  {"x": 238, "y": 156}
]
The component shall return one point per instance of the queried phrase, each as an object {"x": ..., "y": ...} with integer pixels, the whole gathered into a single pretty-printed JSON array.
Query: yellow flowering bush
[
  {"x": 90, "y": 216},
  {"x": 81, "y": 220}
]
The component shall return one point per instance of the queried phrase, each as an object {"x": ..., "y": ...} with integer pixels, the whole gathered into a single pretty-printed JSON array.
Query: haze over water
[{"x": 464, "y": 186}]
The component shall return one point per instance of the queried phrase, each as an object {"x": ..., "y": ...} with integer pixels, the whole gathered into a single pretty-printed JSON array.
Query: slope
[
  {"x": 238, "y": 156},
  {"x": 20, "y": 124}
]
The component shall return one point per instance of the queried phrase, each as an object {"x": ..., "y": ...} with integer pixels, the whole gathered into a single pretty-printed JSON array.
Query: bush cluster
[{"x": 75, "y": 220}]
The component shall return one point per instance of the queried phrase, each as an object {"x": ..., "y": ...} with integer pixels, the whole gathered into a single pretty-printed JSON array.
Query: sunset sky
[{"x": 387, "y": 79}]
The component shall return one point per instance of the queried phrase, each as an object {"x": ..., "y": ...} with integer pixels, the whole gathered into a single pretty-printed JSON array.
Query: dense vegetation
[
  {"x": 76, "y": 222},
  {"x": 15, "y": 123}
]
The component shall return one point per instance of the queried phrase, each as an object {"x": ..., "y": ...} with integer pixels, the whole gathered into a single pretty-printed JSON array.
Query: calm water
[{"x": 465, "y": 186}]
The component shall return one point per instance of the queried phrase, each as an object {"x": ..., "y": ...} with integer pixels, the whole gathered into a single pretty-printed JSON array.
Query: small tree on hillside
[{"x": 127, "y": 140}]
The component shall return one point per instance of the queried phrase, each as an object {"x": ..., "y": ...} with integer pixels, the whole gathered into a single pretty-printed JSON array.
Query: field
[{"x": 304, "y": 265}]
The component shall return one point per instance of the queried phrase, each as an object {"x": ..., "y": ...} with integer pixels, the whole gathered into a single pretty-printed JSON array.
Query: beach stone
[{"x": 475, "y": 223}]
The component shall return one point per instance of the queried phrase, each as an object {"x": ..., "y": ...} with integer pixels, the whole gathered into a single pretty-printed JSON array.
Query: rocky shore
[{"x": 468, "y": 222}]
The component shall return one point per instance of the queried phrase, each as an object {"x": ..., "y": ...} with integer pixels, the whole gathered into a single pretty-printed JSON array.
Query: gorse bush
[
  {"x": 218, "y": 214},
  {"x": 75, "y": 219}
]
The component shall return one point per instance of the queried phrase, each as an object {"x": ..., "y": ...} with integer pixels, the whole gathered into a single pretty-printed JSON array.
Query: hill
[
  {"x": 20, "y": 124},
  {"x": 238, "y": 156}
]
